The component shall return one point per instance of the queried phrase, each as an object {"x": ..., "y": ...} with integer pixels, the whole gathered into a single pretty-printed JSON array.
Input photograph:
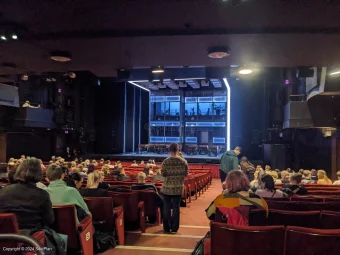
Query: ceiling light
[
  {"x": 24, "y": 77},
  {"x": 61, "y": 56},
  {"x": 158, "y": 69},
  {"x": 334, "y": 73},
  {"x": 218, "y": 52},
  {"x": 3, "y": 38},
  {"x": 14, "y": 37},
  {"x": 245, "y": 71}
]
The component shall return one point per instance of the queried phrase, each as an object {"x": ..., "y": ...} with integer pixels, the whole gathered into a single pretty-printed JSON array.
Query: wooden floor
[{"x": 193, "y": 226}]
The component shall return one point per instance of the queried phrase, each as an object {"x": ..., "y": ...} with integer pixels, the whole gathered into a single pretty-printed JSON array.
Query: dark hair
[
  {"x": 54, "y": 172},
  {"x": 173, "y": 148},
  {"x": 90, "y": 168},
  {"x": 29, "y": 170},
  {"x": 237, "y": 181},
  {"x": 74, "y": 177},
  {"x": 269, "y": 182},
  {"x": 11, "y": 173},
  {"x": 296, "y": 177}
]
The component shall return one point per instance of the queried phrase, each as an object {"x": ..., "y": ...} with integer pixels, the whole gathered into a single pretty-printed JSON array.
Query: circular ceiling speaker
[
  {"x": 218, "y": 52},
  {"x": 61, "y": 56}
]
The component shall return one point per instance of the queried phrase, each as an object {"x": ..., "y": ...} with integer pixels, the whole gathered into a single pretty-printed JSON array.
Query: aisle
[{"x": 193, "y": 226}]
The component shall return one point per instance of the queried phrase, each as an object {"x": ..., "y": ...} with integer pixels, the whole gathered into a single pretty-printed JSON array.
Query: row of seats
[
  {"x": 304, "y": 205},
  {"x": 274, "y": 240}
]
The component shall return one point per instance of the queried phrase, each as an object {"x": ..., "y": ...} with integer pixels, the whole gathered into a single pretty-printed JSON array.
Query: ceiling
[{"x": 104, "y": 36}]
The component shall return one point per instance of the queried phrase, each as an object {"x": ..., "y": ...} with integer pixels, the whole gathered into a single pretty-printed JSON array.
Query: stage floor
[{"x": 129, "y": 156}]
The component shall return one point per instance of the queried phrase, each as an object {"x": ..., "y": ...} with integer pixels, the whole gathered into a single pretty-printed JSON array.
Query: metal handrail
[{"x": 36, "y": 247}]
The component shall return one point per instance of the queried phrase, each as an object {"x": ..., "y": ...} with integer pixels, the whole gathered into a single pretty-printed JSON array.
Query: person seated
[
  {"x": 141, "y": 185},
  {"x": 337, "y": 182},
  {"x": 268, "y": 188},
  {"x": 102, "y": 184},
  {"x": 106, "y": 169},
  {"x": 101, "y": 162},
  {"x": 256, "y": 183},
  {"x": 180, "y": 154},
  {"x": 61, "y": 194},
  {"x": 94, "y": 162},
  {"x": 294, "y": 188},
  {"x": 11, "y": 161},
  {"x": 236, "y": 196},
  {"x": 306, "y": 177},
  {"x": 90, "y": 168},
  {"x": 75, "y": 180},
  {"x": 289, "y": 170},
  {"x": 314, "y": 175},
  {"x": 92, "y": 189},
  {"x": 31, "y": 205},
  {"x": 22, "y": 157},
  {"x": 73, "y": 165},
  {"x": 247, "y": 168},
  {"x": 158, "y": 176},
  {"x": 322, "y": 178},
  {"x": 122, "y": 176},
  {"x": 3, "y": 170},
  {"x": 134, "y": 163},
  {"x": 301, "y": 171},
  {"x": 275, "y": 176},
  {"x": 267, "y": 168},
  {"x": 142, "y": 163},
  {"x": 53, "y": 159},
  {"x": 150, "y": 164},
  {"x": 27, "y": 104},
  {"x": 285, "y": 177}
]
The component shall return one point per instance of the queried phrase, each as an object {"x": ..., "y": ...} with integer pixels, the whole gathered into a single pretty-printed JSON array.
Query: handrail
[{"x": 36, "y": 247}]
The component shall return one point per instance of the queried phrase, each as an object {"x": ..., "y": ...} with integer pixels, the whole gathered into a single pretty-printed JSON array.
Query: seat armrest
[
  {"x": 118, "y": 211},
  {"x": 207, "y": 248},
  {"x": 84, "y": 223},
  {"x": 141, "y": 216},
  {"x": 40, "y": 237}
]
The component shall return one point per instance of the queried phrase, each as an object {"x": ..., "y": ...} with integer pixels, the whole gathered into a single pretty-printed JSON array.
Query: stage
[{"x": 129, "y": 156}]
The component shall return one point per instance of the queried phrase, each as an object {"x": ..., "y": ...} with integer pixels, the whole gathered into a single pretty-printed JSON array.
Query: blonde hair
[
  {"x": 323, "y": 175},
  {"x": 338, "y": 174},
  {"x": 274, "y": 174},
  {"x": 306, "y": 173},
  {"x": 102, "y": 175},
  {"x": 284, "y": 173},
  {"x": 141, "y": 176},
  {"x": 92, "y": 179}
]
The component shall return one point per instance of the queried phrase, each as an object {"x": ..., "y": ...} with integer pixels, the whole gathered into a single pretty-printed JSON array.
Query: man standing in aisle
[
  {"x": 174, "y": 170},
  {"x": 229, "y": 162}
]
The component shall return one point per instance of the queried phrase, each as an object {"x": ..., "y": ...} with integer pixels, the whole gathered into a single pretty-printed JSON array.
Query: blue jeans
[{"x": 171, "y": 221}]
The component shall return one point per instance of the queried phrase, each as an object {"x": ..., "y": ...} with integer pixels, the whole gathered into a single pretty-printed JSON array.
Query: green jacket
[
  {"x": 229, "y": 161},
  {"x": 61, "y": 194}
]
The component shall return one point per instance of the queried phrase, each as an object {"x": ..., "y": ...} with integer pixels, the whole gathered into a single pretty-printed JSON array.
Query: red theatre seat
[
  {"x": 9, "y": 225},
  {"x": 151, "y": 209},
  {"x": 80, "y": 236},
  {"x": 134, "y": 215},
  {"x": 307, "y": 198},
  {"x": 308, "y": 219},
  {"x": 105, "y": 218},
  {"x": 237, "y": 240},
  {"x": 303, "y": 241},
  {"x": 330, "y": 220}
]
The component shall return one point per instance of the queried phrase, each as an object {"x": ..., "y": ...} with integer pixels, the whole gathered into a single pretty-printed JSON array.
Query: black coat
[{"x": 31, "y": 205}]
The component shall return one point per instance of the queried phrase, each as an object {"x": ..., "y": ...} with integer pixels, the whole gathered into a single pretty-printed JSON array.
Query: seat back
[
  {"x": 226, "y": 239},
  {"x": 281, "y": 205},
  {"x": 150, "y": 205},
  {"x": 330, "y": 220},
  {"x": 257, "y": 217},
  {"x": 306, "y": 198},
  {"x": 8, "y": 225},
  {"x": 101, "y": 209},
  {"x": 65, "y": 222},
  {"x": 129, "y": 201},
  {"x": 303, "y": 241},
  {"x": 294, "y": 218}
]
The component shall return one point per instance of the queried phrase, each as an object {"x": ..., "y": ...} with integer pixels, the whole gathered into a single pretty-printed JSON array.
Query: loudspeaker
[{"x": 275, "y": 155}]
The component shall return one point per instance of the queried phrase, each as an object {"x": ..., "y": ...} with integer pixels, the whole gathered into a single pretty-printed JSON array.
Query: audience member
[
  {"x": 94, "y": 162},
  {"x": 267, "y": 168},
  {"x": 158, "y": 176},
  {"x": 301, "y": 171},
  {"x": 180, "y": 154},
  {"x": 68, "y": 154},
  {"x": 174, "y": 170},
  {"x": 294, "y": 187},
  {"x": 338, "y": 181},
  {"x": 31, "y": 205},
  {"x": 3, "y": 170},
  {"x": 285, "y": 177},
  {"x": 247, "y": 168},
  {"x": 229, "y": 162},
  {"x": 275, "y": 176},
  {"x": 102, "y": 184},
  {"x": 75, "y": 181},
  {"x": 142, "y": 163},
  {"x": 314, "y": 175},
  {"x": 90, "y": 168},
  {"x": 134, "y": 164},
  {"x": 61, "y": 194},
  {"x": 236, "y": 195},
  {"x": 92, "y": 190},
  {"x": 322, "y": 178},
  {"x": 306, "y": 177},
  {"x": 141, "y": 185},
  {"x": 289, "y": 170},
  {"x": 106, "y": 169},
  {"x": 268, "y": 188},
  {"x": 122, "y": 176}
]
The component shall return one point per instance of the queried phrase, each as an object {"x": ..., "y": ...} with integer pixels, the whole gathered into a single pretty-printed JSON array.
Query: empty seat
[
  {"x": 307, "y": 219},
  {"x": 237, "y": 240},
  {"x": 306, "y": 198},
  {"x": 151, "y": 209},
  {"x": 303, "y": 241},
  {"x": 330, "y": 220},
  {"x": 134, "y": 216},
  {"x": 80, "y": 236},
  {"x": 281, "y": 205},
  {"x": 105, "y": 218}
]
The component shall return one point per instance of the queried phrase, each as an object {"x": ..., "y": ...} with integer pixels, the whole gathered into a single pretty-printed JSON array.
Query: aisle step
[{"x": 145, "y": 250}]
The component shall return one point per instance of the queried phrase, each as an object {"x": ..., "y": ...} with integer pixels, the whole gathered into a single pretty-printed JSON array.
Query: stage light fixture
[
  {"x": 4, "y": 38},
  {"x": 14, "y": 37},
  {"x": 61, "y": 56},
  {"x": 244, "y": 70},
  {"x": 335, "y": 73},
  {"x": 158, "y": 69},
  {"x": 218, "y": 52}
]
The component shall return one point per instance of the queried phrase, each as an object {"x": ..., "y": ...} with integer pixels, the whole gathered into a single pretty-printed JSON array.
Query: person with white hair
[{"x": 141, "y": 183}]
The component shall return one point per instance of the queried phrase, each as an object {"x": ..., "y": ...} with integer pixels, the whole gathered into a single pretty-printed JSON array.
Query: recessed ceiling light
[
  {"x": 158, "y": 69},
  {"x": 14, "y": 37},
  {"x": 245, "y": 71},
  {"x": 61, "y": 56},
  {"x": 218, "y": 52},
  {"x": 3, "y": 38}
]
